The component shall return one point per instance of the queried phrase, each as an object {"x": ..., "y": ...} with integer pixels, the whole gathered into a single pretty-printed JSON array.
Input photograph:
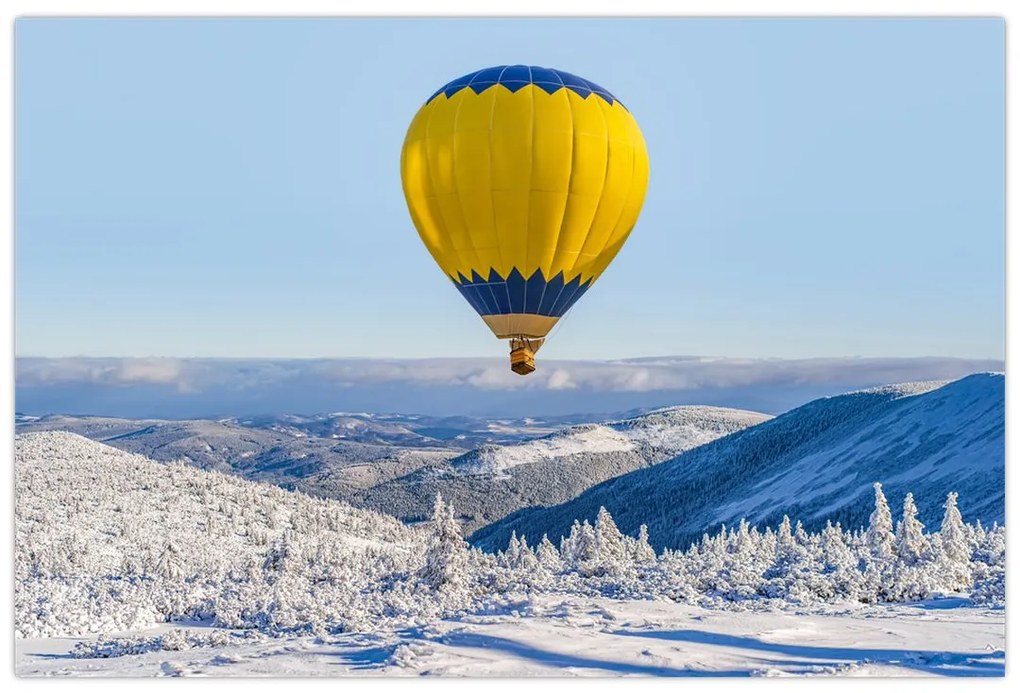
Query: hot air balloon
[{"x": 523, "y": 183}]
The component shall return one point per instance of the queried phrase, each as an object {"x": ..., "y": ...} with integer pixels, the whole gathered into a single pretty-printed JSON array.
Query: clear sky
[{"x": 230, "y": 187}]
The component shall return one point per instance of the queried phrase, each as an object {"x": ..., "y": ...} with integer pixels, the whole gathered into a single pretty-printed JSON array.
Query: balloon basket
[{"x": 522, "y": 360}]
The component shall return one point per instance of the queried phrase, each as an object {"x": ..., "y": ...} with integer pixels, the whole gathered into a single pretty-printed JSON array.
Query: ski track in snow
[{"x": 555, "y": 635}]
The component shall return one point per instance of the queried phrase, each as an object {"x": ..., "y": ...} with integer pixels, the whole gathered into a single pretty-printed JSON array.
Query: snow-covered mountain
[
  {"x": 277, "y": 453},
  {"x": 493, "y": 481},
  {"x": 815, "y": 462},
  {"x": 384, "y": 429},
  {"x": 414, "y": 430},
  {"x": 326, "y": 454},
  {"x": 92, "y": 521},
  {"x": 658, "y": 434}
]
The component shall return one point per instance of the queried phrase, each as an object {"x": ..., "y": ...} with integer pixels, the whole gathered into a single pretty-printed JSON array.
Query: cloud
[
  {"x": 560, "y": 380},
  {"x": 102, "y": 371},
  {"x": 637, "y": 375},
  {"x": 149, "y": 371},
  {"x": 202, "y": 388}
]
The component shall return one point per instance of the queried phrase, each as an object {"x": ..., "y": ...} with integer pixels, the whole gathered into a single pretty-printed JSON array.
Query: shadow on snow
[
  {"x": 561, "y": 660},
  {"x": 928, "y": 661}
]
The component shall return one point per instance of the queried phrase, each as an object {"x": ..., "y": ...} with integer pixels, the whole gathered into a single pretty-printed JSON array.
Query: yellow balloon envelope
[{"x": 524, "y": 183}]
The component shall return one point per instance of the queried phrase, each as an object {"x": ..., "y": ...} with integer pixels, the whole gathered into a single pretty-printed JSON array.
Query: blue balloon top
[{"x": 515, "y": 77}]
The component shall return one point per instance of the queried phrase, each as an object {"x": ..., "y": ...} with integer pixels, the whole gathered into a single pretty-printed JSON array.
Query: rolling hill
[
  {"x": 94, "y": 526},
  {"x": 274, "y": 453},
  {"x": 816, "y": 462},
  {"x": 493, "y": 481}
]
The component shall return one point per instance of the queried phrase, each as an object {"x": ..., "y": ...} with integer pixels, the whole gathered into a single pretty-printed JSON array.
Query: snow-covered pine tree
[
  {"x": 954, "y": 548},
  {"x": 568, "y": 544},
  {"x": 838, "y": 563},
  {"x": 644, "y": 554},
  {"x": 781, "y": 579},
  {"x": 548, "y": 557},
  {"x": 800, "y": 534},
  {"x": 283, "y": 556},
  {"x": 511, "y": 557},
  {"x": 784, "y": 535},
  {"x": 519, "y": 556},
  {"x": 446, "y": 559},
  {"x": 580, "y": 555},
  {"x": 879, "y": 537},
  {"x": 741, "y": 570},
  {"x": 977, "y": 533},
  {"x": 170, "y": 565},
  {"x": 911, "y": 544},
  {"x": 610, "y": 556}
]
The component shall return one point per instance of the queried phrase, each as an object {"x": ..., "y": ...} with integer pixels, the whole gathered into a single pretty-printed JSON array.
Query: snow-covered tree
[
  {"x": 954, "y": 548},
  {"x": 911, "y": 544},
  {"x": 644, "y": 554},
  {"x": 548, "y": 557},
  {"x": 579, "y": 548},
  {"x": 611, "y": 557},
  {"x": 839, "y": 564},
  {"x": 880, "y": 538},
  {"x": 447, "y": 556},
  {"x": 170, "y": 565}
]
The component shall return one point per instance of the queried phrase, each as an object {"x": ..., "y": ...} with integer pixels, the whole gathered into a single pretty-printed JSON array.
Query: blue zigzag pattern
[
  {"x": 516, "y": 77},
  {"x": 535, "y": 295}
]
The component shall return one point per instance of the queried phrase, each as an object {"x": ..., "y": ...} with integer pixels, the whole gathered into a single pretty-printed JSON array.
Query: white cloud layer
[{"x": 636, "y": 375}]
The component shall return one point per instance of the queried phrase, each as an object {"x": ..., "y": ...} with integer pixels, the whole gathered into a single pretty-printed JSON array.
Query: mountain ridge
[{"x": 818, "y": 460}]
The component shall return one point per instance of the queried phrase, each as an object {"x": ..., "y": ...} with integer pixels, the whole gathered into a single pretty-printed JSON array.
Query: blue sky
[{"x": 230, "y": 187}]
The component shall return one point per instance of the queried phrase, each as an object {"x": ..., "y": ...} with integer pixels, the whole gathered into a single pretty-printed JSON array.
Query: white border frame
[{"x": 548, "y": 8}]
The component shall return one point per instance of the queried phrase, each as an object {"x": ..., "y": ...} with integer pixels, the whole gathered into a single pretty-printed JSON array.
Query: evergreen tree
[
  {"x": 911, "y": 544},
  {"x": 784, "y": 535},
  {"x": 170, "y": 565},
  {"x": 548, "y": 557},
  {"x": 838, "y": 562},
  {"x": 511, "y": 557},
  {"x": 609, "y": 549},
  {"x": 954, "y": 547},
  {"x": 447, "y": 555},
  {"x": 581, "y": 554},
  {"x": 643, "y": 551},
  {"x": 880, "y": 537}
]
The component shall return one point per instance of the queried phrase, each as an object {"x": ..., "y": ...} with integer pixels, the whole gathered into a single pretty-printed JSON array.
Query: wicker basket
[{"x": 522, "y": 360}]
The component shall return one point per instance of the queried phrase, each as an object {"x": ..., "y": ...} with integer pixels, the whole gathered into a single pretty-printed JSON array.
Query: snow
[
  {"x": 102, "y": 533},
  {"x": 551, "y": 635},
  {"x": 817, "y": 461},
  {"x": 898, "y": 390},
  {"x": 970, "y": 446},
  {"x": 661, "y": 432},
  {"x": 125, "y": 566},
  {"x": 591, "y": 438}
]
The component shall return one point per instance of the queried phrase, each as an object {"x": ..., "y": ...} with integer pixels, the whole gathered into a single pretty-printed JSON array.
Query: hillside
[
  {"x": 90, "y": 517},
  {"x": 192, "y": 570},
  {"x": 273, "y": 452},
  {"x": 815, "y": 462},
  {"x": 414, "y": 430},
  {"x": 494, "y": 481},
  {"x": 417, "y": 431}
]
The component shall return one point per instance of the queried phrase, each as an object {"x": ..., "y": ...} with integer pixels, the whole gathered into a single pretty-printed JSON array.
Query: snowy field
[{"x": 550, "y": 635}]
